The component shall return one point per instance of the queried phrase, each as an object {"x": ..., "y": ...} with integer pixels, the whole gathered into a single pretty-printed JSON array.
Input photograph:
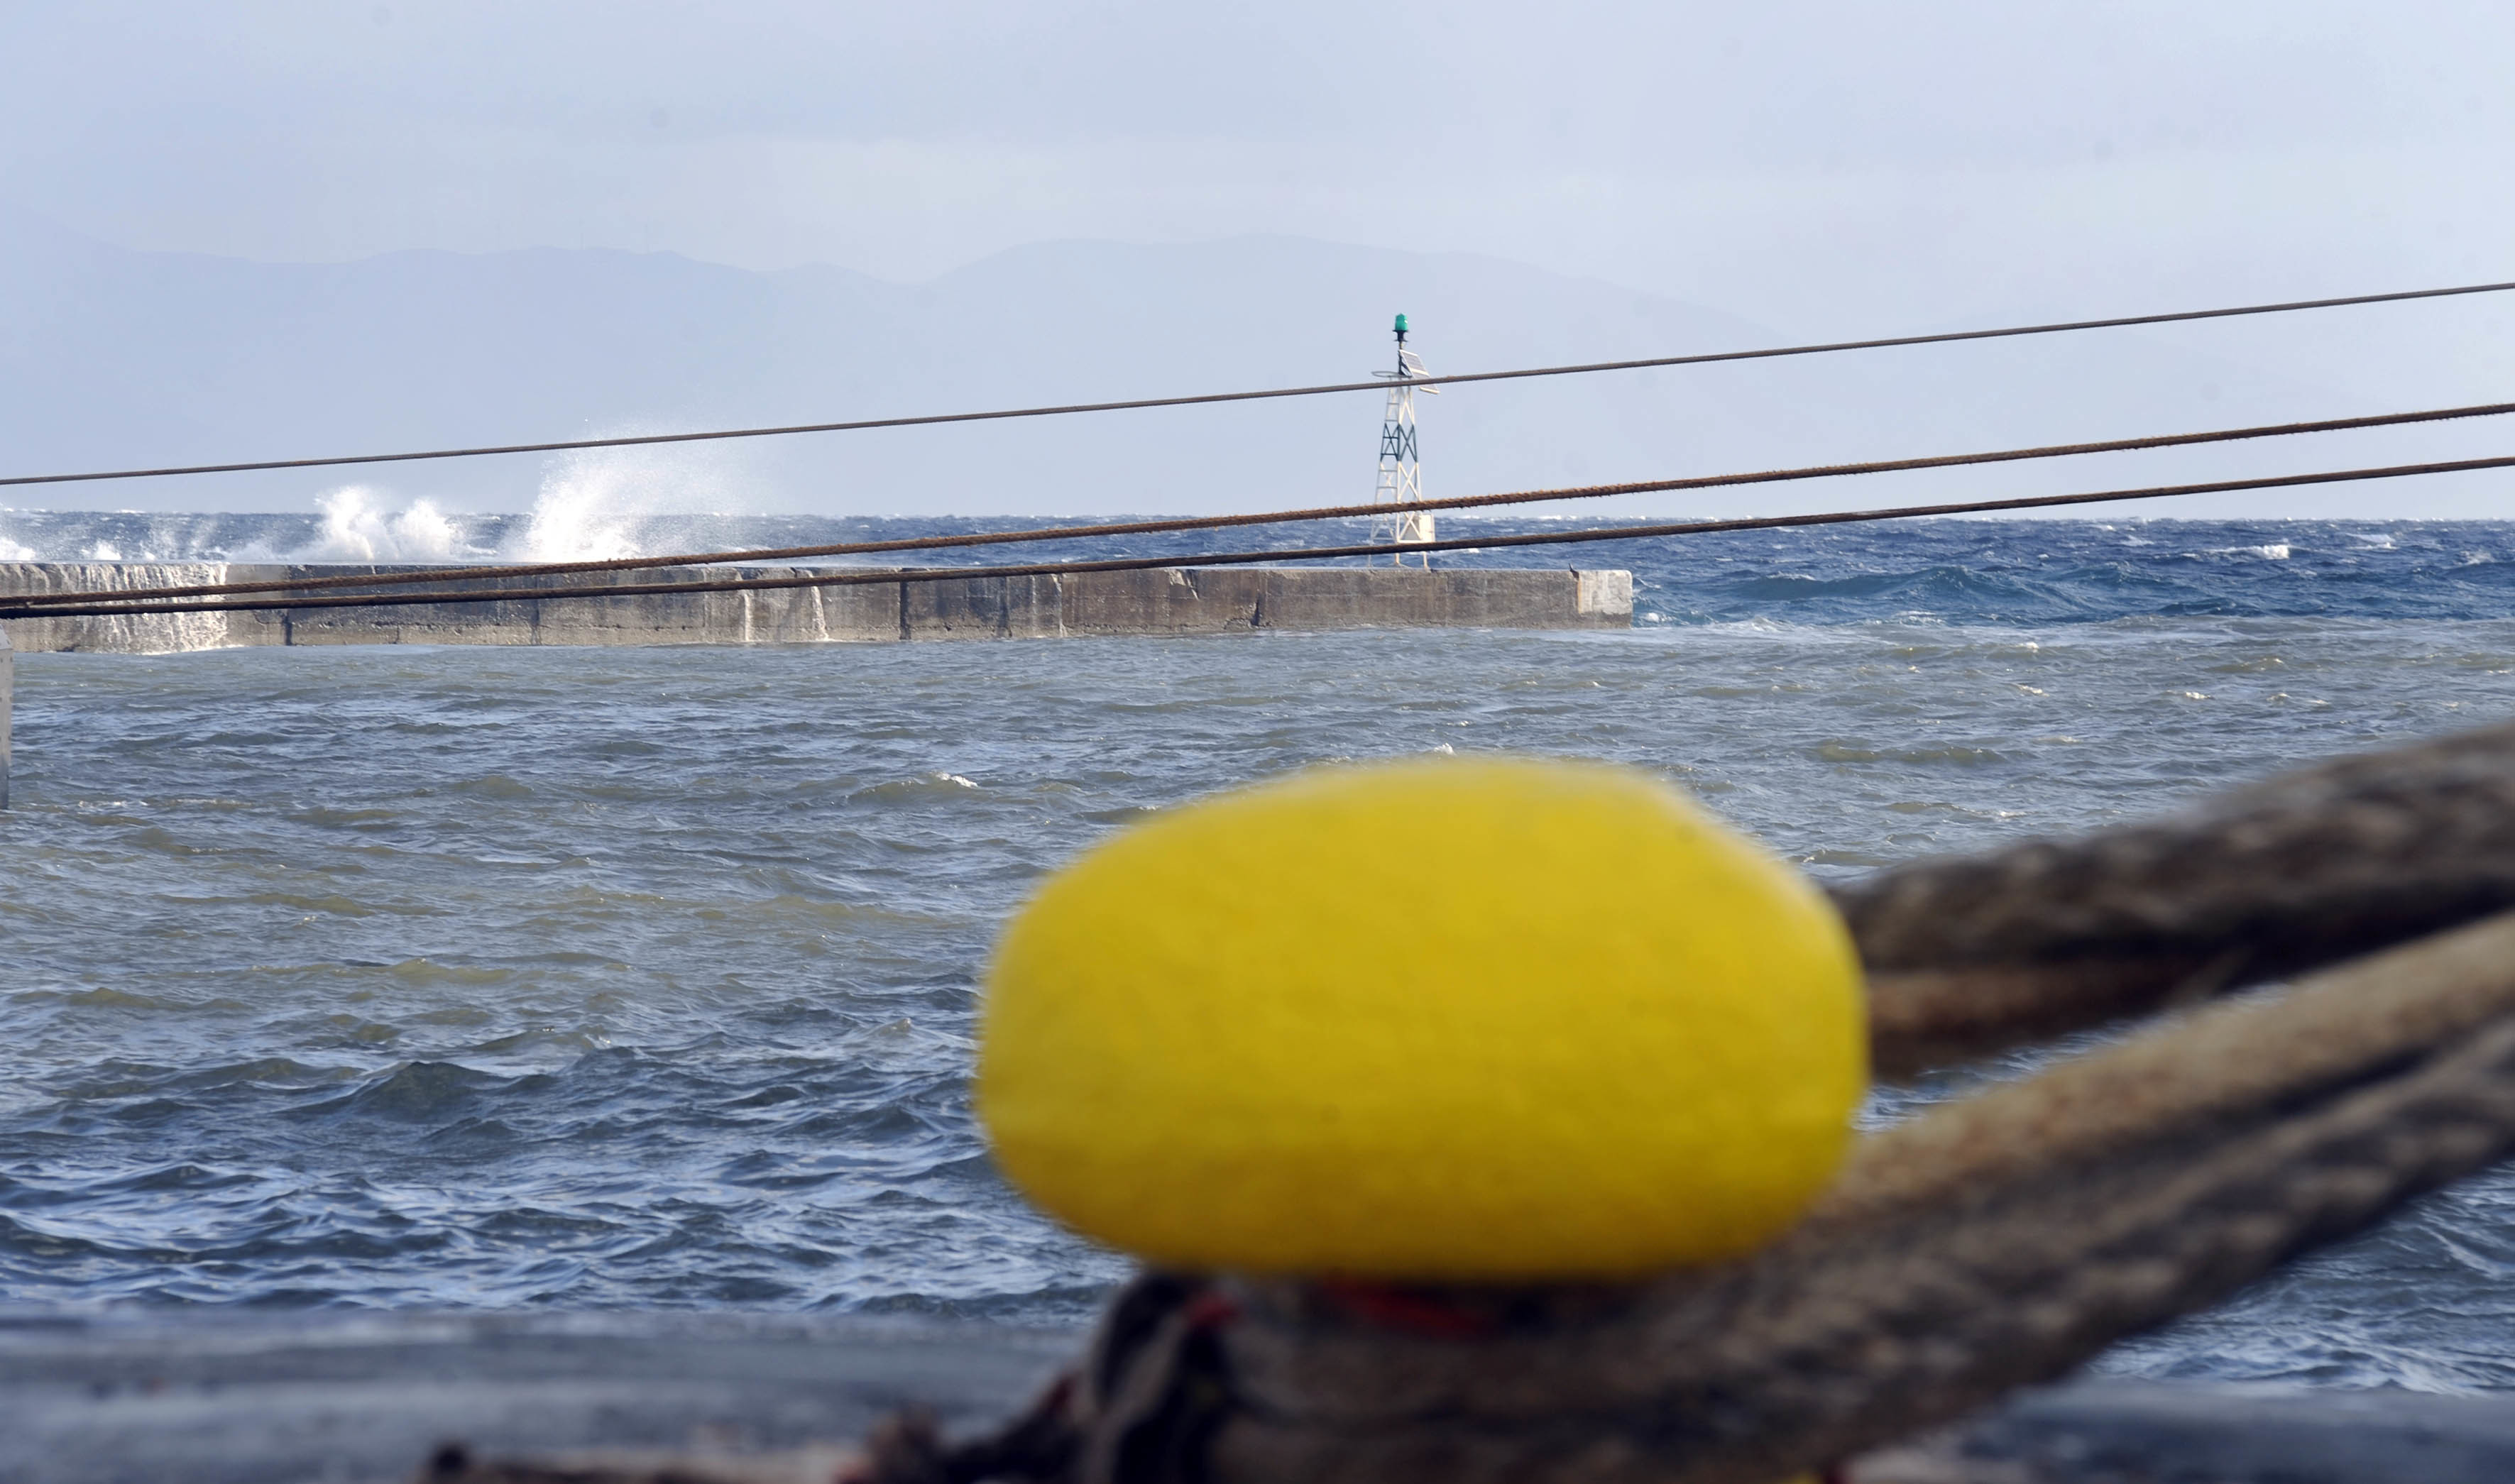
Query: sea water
[{"x": 645, "y": 978}]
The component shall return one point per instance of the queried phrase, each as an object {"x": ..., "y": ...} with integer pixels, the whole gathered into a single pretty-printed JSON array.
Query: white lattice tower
[{"x": 1401, "y": 462}]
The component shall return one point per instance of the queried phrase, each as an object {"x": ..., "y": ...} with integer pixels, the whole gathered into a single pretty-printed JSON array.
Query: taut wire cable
[{"x": 566, "y": 445}]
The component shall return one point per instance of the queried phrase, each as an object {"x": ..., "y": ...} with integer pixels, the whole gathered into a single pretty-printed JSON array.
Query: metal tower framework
[{"x": 1401, "y": 460}]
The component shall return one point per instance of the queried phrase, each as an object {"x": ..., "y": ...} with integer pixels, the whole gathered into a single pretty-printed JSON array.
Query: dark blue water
[{"x": 645, "y": 978}]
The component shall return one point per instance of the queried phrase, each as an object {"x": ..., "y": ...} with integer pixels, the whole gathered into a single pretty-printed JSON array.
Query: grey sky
[
  {"x": 1798, "y": 162},
  {"x": 1816, "y": 167}
]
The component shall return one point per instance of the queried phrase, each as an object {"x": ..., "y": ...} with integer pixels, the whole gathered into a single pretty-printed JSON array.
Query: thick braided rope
[{"x": 1972, "y": 954}]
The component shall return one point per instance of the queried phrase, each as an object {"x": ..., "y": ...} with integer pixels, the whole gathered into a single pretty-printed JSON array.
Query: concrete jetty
[
  {"x": 1166, "y": 600},
  {"x": 135, "y": 1396}
]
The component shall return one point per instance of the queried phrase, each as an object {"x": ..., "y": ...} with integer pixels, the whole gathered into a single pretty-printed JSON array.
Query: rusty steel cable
[
  {"x": 14, "y": 608},
  {"x": 568, "y": 445},
  {"x": 1269, "y": 518}
]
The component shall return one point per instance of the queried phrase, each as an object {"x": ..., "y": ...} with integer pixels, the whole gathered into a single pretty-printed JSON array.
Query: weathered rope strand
[
  {"x": 1972, "y": 953},
  {"x": 2226, "y": 1061}
]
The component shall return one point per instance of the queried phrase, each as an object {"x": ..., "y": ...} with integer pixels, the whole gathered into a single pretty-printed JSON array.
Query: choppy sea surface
[{"x": 645, "y": 978}]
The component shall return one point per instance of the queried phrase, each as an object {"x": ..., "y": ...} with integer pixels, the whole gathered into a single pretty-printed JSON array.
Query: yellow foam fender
[{"x": 1464, "y": 1020}]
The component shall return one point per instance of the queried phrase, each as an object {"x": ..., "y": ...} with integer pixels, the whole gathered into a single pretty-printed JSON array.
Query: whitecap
[
  {"x": 604, "y": 504},
  {"x": 360, "y": 525}
]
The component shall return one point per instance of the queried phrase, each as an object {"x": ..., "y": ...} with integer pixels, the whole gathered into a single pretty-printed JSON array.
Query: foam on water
[{"x": 645, "y": 978}]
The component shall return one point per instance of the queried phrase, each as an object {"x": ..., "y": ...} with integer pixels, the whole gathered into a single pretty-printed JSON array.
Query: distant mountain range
[{"x": 115, "y": 357}]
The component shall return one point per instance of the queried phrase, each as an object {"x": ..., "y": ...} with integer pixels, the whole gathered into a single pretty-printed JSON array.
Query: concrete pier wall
[
  {"x": 1168, "y": 601},
  {"x": 140, "y": 1396}
]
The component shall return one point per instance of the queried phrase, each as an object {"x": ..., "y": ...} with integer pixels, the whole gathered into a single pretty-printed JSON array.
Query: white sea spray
[
  {"x": 599, "y": 504},
  {"x": 363, "y": 524}
]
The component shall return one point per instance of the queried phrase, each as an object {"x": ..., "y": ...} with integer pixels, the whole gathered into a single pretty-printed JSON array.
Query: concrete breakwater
[
  {"x": 1166, "y": 600},
  {"x": 244, "y": 1397}
]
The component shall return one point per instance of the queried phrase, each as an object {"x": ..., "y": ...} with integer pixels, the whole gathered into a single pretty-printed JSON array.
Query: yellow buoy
[{"x": 1458, "y": 1019}]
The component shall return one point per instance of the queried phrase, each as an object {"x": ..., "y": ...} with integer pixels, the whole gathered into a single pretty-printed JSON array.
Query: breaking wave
[{"x": 360, "y": 524}]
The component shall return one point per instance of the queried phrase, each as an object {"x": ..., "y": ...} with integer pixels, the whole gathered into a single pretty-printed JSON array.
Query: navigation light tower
[{"x": 1401, "y": 465}]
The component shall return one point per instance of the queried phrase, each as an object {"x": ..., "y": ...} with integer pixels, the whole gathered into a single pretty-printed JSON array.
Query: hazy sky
[
  {"x": 1805, "y": 164},
  {"x": 1821, "y": 168}
]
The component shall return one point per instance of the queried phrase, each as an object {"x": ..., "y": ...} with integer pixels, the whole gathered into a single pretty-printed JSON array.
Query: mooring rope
[
  {"x": 1271, "y": 517},
  {"x": 119, "y": 606},
  {"x": 1974, "y": 954},
  {"x": 566, "y": 445}
]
